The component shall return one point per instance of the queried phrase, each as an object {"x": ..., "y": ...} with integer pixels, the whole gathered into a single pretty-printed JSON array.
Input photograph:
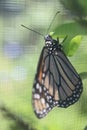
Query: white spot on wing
[
  {"x": 42, "y": 100},
  {"x": 40, "y": 89},
  {"x": 47, "y": 105},
  {"x": 36, "y": 96},
  {"x": 37, "y": 85},
  {"x": 43, "y": 75}
]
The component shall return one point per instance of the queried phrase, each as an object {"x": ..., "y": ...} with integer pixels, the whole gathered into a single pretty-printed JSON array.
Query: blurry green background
[{"x": 19, "y": 54}]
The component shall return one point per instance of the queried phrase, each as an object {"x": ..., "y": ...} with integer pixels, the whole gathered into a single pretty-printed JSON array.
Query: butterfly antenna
[
  {"x": 52, "y": 21},
  {"x": 32, "y": 30}
]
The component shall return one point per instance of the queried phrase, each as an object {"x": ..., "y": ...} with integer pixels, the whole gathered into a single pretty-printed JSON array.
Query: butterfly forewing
[
  {"x": 56, "y": 82},
  {"x": 42, "y": 100}
]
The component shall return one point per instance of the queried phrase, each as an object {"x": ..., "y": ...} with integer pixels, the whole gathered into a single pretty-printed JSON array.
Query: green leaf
[
  {"x": 74, "y": 32},
  {"x": 70, "y": 29},
  {"x": 51, "y": 33},
  {"x": 71, "y": 44},
  {"x": 74, "y": 44}
]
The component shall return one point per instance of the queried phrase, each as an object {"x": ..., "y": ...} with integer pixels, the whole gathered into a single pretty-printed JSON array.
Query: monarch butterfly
[{"x": 56, "y": 82}]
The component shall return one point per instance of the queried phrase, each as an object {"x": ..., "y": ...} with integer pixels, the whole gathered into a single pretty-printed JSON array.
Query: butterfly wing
[
  {"x": 67, "y": 82},
  {"x": 56, "y": 83},
  {"x": 41, "y": 96}
]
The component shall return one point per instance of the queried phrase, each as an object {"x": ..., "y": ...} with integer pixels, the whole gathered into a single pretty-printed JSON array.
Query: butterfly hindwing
[{"x": 70, "y": 84}]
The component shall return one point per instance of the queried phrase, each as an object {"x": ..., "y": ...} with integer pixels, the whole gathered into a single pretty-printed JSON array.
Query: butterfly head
[
  {"x": 49, "y": 41},
  {"x": 48, "y": 38}
]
